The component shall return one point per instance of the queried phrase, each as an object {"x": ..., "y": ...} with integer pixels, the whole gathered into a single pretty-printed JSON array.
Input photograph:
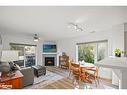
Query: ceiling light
[
  {"x": 79, "y": 29},
  {"x": 36, "y": 38},
  {"x": 75, "y": 26}
]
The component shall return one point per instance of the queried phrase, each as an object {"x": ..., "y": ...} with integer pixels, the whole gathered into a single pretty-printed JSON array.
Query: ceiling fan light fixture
[
  {"x": 75, "y": 26},
  {"x": 36, "y": 38}
]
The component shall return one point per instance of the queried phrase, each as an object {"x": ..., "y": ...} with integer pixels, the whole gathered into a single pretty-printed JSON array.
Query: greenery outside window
[{"x": 93, "y": 51}]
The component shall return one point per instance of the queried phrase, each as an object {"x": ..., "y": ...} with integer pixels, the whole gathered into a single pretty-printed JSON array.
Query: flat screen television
[{"x": 49, "y": 48}]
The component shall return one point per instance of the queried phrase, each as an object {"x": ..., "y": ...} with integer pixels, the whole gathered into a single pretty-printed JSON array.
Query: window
[
  {"x": 92, "y": 52},
  {"x": 86, "y": 52},
  {"x": 101, "y": 50},
  {"x": 27, "y": 53}
]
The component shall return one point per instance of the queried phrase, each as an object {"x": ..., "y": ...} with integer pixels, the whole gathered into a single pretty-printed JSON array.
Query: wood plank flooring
[{"x": 66, "y": 82}]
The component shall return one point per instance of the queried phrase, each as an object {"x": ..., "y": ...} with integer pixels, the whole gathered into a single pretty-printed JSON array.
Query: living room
[{"x": 70, "y": 28}]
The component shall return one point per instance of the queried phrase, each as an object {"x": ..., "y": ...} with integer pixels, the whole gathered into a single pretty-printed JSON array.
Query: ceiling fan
[
  {"x": 36, "y": 37},
  {"x": 75, "y": 26}
]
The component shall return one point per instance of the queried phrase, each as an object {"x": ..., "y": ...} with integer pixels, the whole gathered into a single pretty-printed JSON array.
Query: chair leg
[
  {"x": 69, "y": 73},
  {"x": 79, "y": 80},
  {"x": 98, "y": 80}
]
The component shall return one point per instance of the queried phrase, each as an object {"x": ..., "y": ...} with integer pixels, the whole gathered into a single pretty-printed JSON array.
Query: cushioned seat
[{"x": 90, "y": 72}]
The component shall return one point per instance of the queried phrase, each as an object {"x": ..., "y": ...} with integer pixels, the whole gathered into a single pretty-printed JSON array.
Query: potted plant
[{"x": 117, "y": 52}]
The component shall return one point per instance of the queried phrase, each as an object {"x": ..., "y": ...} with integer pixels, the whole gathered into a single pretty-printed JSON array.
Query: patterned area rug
[{"x": 42, "y": 81}]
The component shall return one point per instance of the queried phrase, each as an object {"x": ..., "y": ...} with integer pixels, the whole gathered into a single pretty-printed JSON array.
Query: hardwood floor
[{"x": 66, "y": 82}]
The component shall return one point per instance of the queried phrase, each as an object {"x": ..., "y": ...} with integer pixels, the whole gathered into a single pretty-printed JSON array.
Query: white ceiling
[{"x": 52, "y": 22}]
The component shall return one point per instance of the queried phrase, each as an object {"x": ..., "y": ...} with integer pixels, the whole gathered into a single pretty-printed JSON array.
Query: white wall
[
  {"x": 22, "y": 39},
  {"x": 114, "y": 35}
]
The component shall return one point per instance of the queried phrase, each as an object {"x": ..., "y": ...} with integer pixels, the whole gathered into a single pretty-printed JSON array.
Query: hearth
[{"x": 49, "y": 61}]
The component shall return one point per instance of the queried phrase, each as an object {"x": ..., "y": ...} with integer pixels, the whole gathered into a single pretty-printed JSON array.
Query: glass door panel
[
  {"x": 27, "y": 54},
  {"x": 30, "y": 56},
  {"x": 101, "y": 51},
  {"x": 86, "y": 52},
  {"x": 20, "y": 48}
]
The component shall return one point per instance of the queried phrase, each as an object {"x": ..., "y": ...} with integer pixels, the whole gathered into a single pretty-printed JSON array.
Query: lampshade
[{"x": 9, "y": 55}]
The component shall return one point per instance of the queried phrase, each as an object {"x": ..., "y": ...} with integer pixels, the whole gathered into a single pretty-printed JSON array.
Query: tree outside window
[{"x": 92, "y": 52}]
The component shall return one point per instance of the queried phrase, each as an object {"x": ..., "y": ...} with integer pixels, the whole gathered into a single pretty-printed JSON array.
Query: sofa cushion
[
  {"x": 19, "y": 62},
  {"x": 14, "y": 66}
]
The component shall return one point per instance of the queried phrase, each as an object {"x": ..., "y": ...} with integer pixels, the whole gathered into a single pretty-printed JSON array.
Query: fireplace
[{"x": 49, "y": 61}]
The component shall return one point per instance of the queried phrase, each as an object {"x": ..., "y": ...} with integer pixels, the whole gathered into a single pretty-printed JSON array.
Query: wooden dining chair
[
  {"x": 70, "y": 66},
  {"x": 84, "y": 76},
  {"x": 74, "y": 71},
  {"x": 93, "y": 74}
]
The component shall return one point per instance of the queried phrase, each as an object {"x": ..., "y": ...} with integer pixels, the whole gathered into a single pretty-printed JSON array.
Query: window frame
[
  {"x": 96, "y": 49},
  {"x": 24, "y": 51}
]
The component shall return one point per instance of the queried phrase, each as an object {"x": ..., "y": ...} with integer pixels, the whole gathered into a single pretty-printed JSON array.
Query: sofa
[{"x": 28, "y": 74}]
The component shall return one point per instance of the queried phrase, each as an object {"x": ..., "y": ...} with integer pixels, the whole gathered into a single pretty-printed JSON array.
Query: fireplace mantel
[{"x": 50, "y": 53}]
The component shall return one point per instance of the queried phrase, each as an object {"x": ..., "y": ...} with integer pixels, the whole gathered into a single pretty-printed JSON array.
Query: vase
[{"x": 118, "y": 55}]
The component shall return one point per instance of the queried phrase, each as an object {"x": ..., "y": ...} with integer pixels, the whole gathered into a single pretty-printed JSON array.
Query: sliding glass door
[
  {"x": 86, "y": 52},
  {"x": 102, "y": 50},
  {"x": 92, "y": 52},
  {"x": 27, "y": 53},
  {"x": 30, "y": 56}
]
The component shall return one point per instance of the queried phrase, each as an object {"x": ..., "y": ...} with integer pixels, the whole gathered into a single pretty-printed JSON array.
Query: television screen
[{"x": 49, "y": 48}]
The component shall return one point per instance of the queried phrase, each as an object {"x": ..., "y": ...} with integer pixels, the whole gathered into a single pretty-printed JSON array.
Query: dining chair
[
  {"x": 93, "y": 74},
  {"x": 79, "y": 75},
  {"x": 84, "y": 76},
  {"x": 74, "y": 71},
  {"x": 70, "y": 66}
]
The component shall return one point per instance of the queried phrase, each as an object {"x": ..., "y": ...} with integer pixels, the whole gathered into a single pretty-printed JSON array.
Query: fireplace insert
[{"x": 49, "y": 61}]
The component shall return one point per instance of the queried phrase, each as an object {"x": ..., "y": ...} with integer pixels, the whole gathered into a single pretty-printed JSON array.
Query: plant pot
[{"x": 118, "y": 55}]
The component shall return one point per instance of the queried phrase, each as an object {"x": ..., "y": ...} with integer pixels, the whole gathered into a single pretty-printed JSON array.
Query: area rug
[{"x": 44, "y": 80}]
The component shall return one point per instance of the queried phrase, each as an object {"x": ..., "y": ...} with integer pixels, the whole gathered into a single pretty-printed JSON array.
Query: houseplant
[{"x": 117, "y": 52}]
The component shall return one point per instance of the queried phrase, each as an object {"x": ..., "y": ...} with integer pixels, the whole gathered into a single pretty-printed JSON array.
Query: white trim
[
  {"x": 96, "y": 50},
  {"x": 49, "y": 53}
]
